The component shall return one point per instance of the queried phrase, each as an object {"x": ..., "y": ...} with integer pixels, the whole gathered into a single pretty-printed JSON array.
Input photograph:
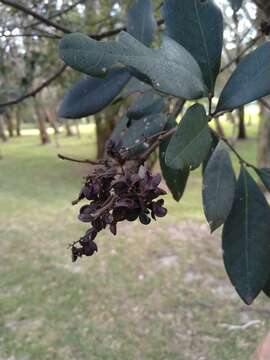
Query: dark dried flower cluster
[{"x": 117, "y": 193}]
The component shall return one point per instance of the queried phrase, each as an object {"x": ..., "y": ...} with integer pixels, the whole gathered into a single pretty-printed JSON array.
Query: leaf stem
[{"x": 239, "y": 157}]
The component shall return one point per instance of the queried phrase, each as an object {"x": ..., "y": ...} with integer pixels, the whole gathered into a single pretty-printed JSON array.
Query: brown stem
[{"x": 86, "y": 161}]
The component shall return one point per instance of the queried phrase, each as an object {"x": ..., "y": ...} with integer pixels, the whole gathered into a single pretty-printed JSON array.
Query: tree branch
[
  {"x": 57, "y": 14},
  {"x": 30, "y": 12},
  {"x": 238, "y": 57},
  {"x": 115, "y": 31},
  {"x": 34, "y": 92},
  {"x": 47, "y": 36},
  {"x": 48, "y": 22}
]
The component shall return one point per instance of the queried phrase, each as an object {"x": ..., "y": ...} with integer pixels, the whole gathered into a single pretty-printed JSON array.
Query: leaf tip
[{"x": 248, "y": 300}]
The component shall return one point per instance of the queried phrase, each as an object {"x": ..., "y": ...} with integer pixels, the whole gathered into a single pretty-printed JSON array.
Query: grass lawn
[{"x": 157, "y": 293}]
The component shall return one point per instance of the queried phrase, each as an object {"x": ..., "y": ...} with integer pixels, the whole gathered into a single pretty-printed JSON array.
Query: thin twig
[
  {"x": 34, "y": 92},
  {"x": 48, "y": 36},
  {"x": 86, "y": 161},
  {"x": 239, "y": 157},
  {"x": 39, "y": 17},
  {"x": 65, "y": 30},
  {"x": 56, "y": 14},
  {"x": 238, "y": 57}
]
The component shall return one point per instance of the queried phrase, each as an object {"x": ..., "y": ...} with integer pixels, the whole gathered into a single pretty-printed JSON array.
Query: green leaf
[
  {"x": 134, "y": 86},
  {"x": 141, "y": 21},
  {"x": 190, "y": 144},
  {"x": 146, "y": 104},
  {"x": 198, "y": 26},
  {"x": 176, "y": 180},
  {"x": 218, "y": 187},
  {"x": 236, "y": 4},
  {"x": 169, "y": 69},
  {"x": 264, "y": 175},
  {"x": 120, "y": 128},
  {"x": 215, "y": 141},
  {"x": 250, "y": 81},
  {"x": 90, "y": 95},
  {"x": 134, "y": 136},
  {"x": 246, "y": 240}
]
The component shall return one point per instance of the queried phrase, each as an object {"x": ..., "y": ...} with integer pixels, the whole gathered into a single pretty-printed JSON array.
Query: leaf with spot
[
  {"x": 90, "y": 95},
  {"x": 264, "y": 175},
  {"x": 246, "y": 240},
  {"x": 134, "y": 86},
  {"x": 141, "y": 21},
  {"x": 192, "y": 141},
  {"x": 249, "y": 82},
  {"x": 134, "y": 136},
  {"x": 120, "y": 128},
  {"x": 146, "y": 104},
  {"x": 198, "y": 26},
  {"x": 218, "y": 187},
  {"x": 176, "y": 180},
  {"x": 170, "y": 69}
]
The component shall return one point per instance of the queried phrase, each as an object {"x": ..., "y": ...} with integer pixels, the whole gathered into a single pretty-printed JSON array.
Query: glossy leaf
[
  {"x": 246, "y": 241},
  {"x": 141, "y": 21},
  {"x": 90, "y": 95},
  {"x": 146, "y": 104},
  {"x": 264, "y": 175},
  {"x": 218, "y": 187},
  {"x": 198, "y": 26},
  {"x": 250, "y": 81},
  {"x": 133, "y": 137},
  {"x": 176, "y": 180},
  {"x": 191, "y": 143},
  {"x": 169, "y": 69},
  {"x": 236, "y": 4}
]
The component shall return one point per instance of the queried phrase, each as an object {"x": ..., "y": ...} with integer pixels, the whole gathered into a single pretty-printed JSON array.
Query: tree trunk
[
  {"x": 9, "y": 123},
  {"x": 2, "y": 130},
  {"x": 18, "y": 125},
  {"x": 242, "y": 135},
  {"x": 77, "y": 127},
  {"x": 105, "y": 123},
  {"x": 219, "y": 127},
  {"x": 264, "y": 131},
  {"x": 104, "y": 128},
  {"x": 50, "y": 116},
  {"x": 264, "y": 138},
  {"x": 40, "y": 118},
  {"x": 69, "y": 131}
]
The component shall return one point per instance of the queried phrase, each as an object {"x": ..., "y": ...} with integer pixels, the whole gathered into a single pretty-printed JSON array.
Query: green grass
[{"x": 155, "y": 293}]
